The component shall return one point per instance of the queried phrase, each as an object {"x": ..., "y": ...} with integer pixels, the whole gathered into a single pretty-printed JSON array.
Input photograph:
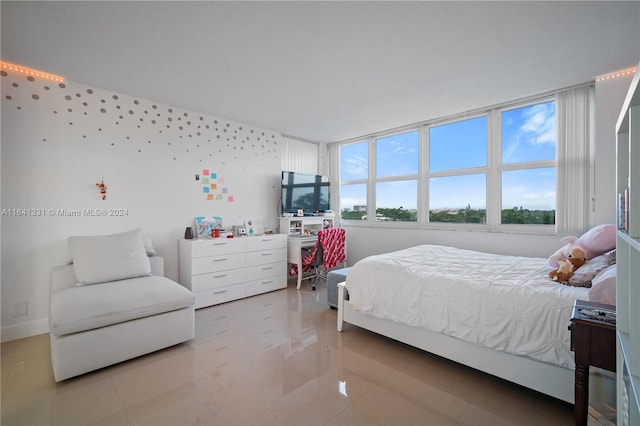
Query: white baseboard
[{"x": 21, "y": 331}]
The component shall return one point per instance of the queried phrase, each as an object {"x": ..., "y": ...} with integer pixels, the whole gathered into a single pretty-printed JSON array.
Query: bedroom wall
[
  {"x": 363, "y": 241},
  {"x": 59, "y": 140},
  {"x": 609, "y": 97}
]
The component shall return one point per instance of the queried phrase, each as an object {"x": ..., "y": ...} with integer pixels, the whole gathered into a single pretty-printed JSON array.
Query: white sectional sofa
[{"x": 97, "y": 320}]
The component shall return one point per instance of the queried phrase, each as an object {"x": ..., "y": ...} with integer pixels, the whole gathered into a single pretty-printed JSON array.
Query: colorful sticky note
[
  {"x": 214, "y": 186},
  {"x": 210, "y": 197},
  {"x": 214, "y": 175},
  {"x": 205, "y": 172},
  {"x": 205, "y": 181},
  {"x": 205, "y": 189},
  {"x": 230, "y": 198},
  {"x": 221, "y": 181},
  {"x": 224, "y": 190},
  {"x": 218, "y": 197}
]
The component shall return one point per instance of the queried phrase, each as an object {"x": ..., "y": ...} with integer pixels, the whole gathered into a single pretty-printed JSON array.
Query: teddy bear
[
  {"x": 566, "y": 267},
  {"x": 563, "y": 272}
]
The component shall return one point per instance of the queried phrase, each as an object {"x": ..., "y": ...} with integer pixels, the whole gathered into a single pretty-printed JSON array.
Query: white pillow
[
  {"x": 603, "y": 289},
  {"x": 104, "y": 258}
]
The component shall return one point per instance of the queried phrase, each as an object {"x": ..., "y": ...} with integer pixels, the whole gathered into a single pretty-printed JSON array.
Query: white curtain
[
  {"x": 301, "y": 155},
  {"x": 575, "y": 172}
]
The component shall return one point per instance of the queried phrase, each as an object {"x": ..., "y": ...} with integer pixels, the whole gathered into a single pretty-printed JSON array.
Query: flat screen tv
[{"x": 306, "y": 192}]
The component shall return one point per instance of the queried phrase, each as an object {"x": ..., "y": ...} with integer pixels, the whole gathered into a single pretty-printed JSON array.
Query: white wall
[
  {"x": 59, "y": 141},
  {"x": 609, "y": 97}
]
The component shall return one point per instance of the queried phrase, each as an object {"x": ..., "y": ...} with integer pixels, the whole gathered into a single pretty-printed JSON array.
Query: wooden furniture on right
[
  {"x": 593, "y": 339},
  {"x": 628, "y": 258}
]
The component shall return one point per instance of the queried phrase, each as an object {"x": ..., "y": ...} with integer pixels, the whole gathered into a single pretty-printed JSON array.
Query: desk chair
[{"x": 328, "y": 252}]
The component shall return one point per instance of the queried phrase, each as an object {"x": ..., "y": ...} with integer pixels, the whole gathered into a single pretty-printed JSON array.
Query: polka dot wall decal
[
  {"x": 68, "y": 97},
  {"x": 135, "y": 101},
  {"x": 30, "y": 78},
  {"x": 102, "y": 110},
  {"x": 115, "y": 97},
  {"x": 8, "y": 97},
  {"x": 46, "y": 87},
  {"x": 3, "y": 73},
  {"x": 15, "y": 84},
  {"x": 62, "y": 85},
  {"x": 89, "y": 91}
]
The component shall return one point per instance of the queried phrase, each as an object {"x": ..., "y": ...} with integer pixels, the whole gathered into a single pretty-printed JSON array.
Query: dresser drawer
[
  {"x": 265, "y": 271},
  {"x": 219, "y": 295},
  {"x": 266, "y": 284},
  {"x": 266, "y": 256},
  {"x": 266, "y": 242},
  {"x": 217, "y": 246},
  {"x": 204, "y": 265},
  {"x": 217, "y": 279}
]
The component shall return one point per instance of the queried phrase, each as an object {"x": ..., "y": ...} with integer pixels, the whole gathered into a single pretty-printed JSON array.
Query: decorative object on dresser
[
  {"x": 628, "y": 258},
  {"x": 224, "y": 269}
]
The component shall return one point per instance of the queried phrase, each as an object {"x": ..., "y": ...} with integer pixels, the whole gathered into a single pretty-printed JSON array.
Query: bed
[{"x": 499, "y": 314}]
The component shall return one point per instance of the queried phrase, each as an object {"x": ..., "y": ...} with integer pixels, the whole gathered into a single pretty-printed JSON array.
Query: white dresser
[{"x": 219, "y": 270}]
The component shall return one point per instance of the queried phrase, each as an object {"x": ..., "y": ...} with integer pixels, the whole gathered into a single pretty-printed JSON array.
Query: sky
[{"x": 528, "y": 134}]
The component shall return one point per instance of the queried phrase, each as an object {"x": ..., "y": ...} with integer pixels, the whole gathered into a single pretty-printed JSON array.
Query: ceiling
[{"x": 324, "y": 71}]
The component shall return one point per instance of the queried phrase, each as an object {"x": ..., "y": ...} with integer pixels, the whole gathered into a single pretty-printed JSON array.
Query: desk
[
  {"x": 594, "y": 343},
  {"x": 295, "y": 244}
]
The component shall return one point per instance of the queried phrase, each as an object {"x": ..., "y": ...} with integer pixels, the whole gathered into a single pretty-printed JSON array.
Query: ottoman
[{"x": 333, "y": 278}]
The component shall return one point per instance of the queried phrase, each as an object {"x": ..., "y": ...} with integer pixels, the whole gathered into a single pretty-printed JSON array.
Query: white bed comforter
[{"x": 506, "y": 303}]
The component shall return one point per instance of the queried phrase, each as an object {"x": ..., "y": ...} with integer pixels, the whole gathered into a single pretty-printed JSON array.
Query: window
[
  {"x": 506, "y": 167},
  {"x": 396, "y": 182},
  {"x": 354, "y": 173},
  {"x": 457, "y": 153},
  {"x": 528, "y": 173}
]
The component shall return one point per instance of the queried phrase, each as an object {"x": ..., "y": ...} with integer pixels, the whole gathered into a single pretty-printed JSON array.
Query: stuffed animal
[
  {"x": 566, "y": 267},
  {"x": 577, "y": 257},
  {"x": 563, "y": 272}
]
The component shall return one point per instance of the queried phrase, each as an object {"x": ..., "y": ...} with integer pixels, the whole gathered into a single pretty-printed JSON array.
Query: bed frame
[{"x": 549, "y": 379}]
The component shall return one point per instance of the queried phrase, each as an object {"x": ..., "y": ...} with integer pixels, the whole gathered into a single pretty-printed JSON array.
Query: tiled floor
[{"x": 274, "y": 359}]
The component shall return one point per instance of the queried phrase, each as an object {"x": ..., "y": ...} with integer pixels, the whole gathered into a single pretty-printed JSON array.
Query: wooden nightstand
[{"x": 593, "y": 339}]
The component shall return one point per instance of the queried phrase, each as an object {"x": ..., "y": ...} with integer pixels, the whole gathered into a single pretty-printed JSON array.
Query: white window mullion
[{"x": 371, "y": 187}]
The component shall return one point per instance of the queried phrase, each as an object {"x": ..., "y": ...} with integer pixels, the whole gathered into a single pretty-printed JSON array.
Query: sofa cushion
[
  {"x": 84, "y": 308},
  {"x": 104, "y": 258}
]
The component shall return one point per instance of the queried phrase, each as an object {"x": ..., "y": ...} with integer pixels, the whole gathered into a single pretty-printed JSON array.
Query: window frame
[{"x": 493, "y": 172}]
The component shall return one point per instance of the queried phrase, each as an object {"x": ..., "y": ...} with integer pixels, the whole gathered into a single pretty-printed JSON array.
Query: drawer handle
[
  {"x": 267, "y": 282},
  {"x": 221, "y": 260},
  {"x": 220, "y": 244},
  {"x": 267, "y": 254},
  {"x": 220, "y": 276},
  {"x": 266, "y": 268},
  {"x": 267, "y": 239},
  {"x": 219, "y": 291}
]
